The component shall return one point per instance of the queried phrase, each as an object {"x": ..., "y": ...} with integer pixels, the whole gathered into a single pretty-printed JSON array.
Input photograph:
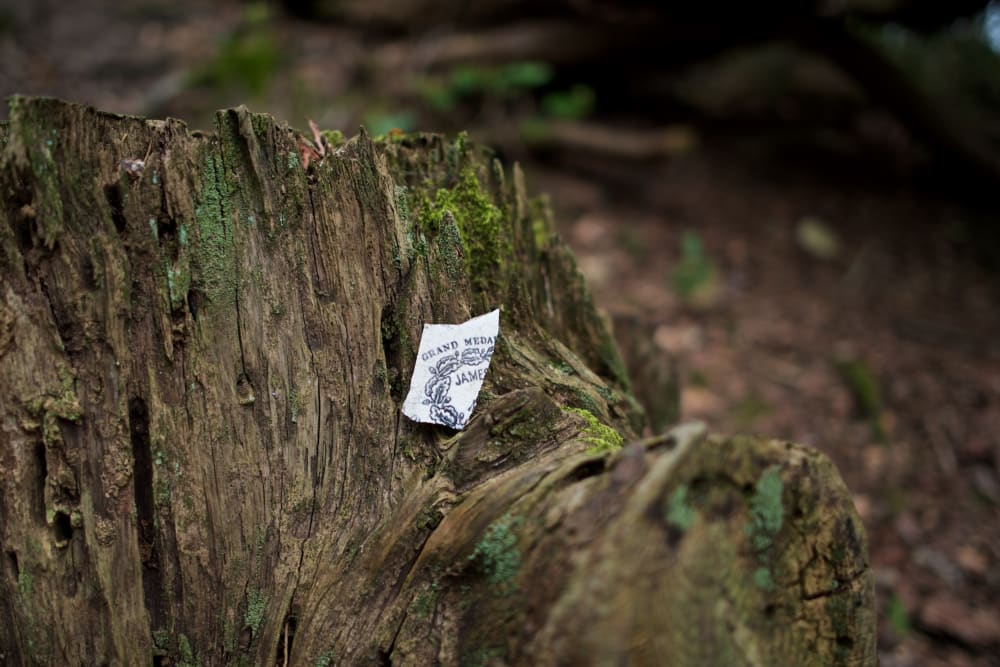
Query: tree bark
[{"x": 204, "y": 344}]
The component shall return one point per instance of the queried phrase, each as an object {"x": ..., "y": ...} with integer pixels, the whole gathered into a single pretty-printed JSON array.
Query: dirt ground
[{"x": 882, "y": 350}]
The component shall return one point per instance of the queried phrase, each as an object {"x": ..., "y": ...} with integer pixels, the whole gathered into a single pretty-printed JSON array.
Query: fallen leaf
[
  {"x": 317, "y": 138},
  {"x": 972, "y": 560},
  {"x": 863, "y": 505},
  {"x": 307, "y": 153},
  {"x": 817, "y": 238},
  {"x": 678, "y": 339},
  {"x": 698, "y": 402},
  {"x": 945, "y": 613}
]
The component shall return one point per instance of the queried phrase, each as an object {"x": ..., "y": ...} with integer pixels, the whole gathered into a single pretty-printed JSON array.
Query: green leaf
[
  {"x": 895, "y": 614},
  {"x": 468, "y": 79},
  {"x": 379, "y": 122},
  {"x": 817, "y": 238},
  {"x": 694, "y": 277},
  {"x": 525, "y": 75},
  {"x": 573, "y": 104}
]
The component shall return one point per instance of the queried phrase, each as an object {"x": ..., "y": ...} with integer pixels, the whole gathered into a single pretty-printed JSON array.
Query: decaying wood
[{"x": 204, "y": 347}]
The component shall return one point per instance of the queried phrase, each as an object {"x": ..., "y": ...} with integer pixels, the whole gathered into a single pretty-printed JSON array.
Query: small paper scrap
[{"x": 451, "y": 364}]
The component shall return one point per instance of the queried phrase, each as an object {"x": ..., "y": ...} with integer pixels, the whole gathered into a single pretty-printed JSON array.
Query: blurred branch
[
  {"x": 612, "y": 141},
  {"x": 556, "y": 42}
]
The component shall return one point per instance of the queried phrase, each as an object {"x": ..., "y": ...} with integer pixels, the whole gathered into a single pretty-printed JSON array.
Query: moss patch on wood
[
  {"x": 497, "y": 553},
  {"x": 678, "y": 511},
  {"x": 602, "y": 438},
  {"x": 215, "y": 255},
  {"x": 480, "y": 224},
  {"x": 766, "y": 518}
]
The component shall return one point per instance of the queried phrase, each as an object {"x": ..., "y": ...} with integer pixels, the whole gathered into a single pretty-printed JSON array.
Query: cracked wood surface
[{"x": 204, "y": 347}]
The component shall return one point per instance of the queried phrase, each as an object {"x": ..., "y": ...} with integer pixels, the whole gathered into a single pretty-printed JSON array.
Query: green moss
[
  {"x": 429, "y": 519},
  {"x": 562, "y": 367},
  {"x": 178, "y": 284},
  {"x": 450, "y": 253},
  {"x": 185, "y": 651},
  {"x": 66, "y": 405},
  {"x": 582, "y": 399},
  {"x": 229, "y": 636},
  {"x": 161, "y": 638},
  {"x": 402, "y": 203},
  {"x": 766, "y": 519},
  {"x": 540, "y": 212},
  {"x": 25, "y": 583},
  {"x": 763, "y": 579},
  {"x": 407, "y": 450},
  {"x": 256, "y": 606},
  {"x": 259, "y": 539},
  {"x": 479, "y": 221},
  {"x": 161, "y": 492},
  {"x": 53, "y": 406},
  {"x": 457, "y": 151},
  {"x": 483, "y": 656},
  {"x": 333, "y": 137},
  {"x": 498, "y": 554},
  {"x": 601, "y": 438},
  {"x": 841, "y": 610},
  {"x": 676, "y": 510},
  {"x": 612, "y": 358},
  {"x": 35, "y": 146},
  {"x": 257, "y": 277},
  {"x": 261, "y": 123},
  {"x": 766, "y": 510},
  {"x": 523, "y": 426},
  {"x": 404, "y": 339},
  {"x": 416, "y": 244},
  {"x": 215, "y": 254},
  {"x": 163, "y": 643},
  {"x": 425, "y": 603},
  {"x": 324, "y": 660}
]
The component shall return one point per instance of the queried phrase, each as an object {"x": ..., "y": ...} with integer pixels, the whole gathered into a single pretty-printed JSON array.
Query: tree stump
[{"x": 205, "y": 340}]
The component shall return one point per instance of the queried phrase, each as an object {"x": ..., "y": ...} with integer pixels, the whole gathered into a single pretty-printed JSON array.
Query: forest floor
[{"x": 881, "y": 349}]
